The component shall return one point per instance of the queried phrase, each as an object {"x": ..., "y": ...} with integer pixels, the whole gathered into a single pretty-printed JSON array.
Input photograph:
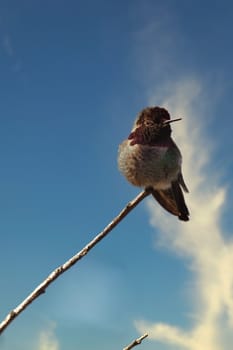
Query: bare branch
[
  {"x": 136, "y": 342},
  {"x": 40, "y": 289}
]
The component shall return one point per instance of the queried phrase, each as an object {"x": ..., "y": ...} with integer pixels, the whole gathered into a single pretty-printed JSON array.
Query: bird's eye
[{"x": 148, "y": 123}]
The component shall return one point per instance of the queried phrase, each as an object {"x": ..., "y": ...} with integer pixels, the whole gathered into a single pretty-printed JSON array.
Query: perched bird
[{"x": 149, "y": 158}]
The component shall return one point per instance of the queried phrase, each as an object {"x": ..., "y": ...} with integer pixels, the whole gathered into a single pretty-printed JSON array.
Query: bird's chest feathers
[
  {"x": 145, "y": 155},
  {"x": 144, "y": 165}
]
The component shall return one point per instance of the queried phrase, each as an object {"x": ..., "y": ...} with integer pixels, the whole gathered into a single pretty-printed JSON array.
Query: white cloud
[
  {"x": 201, "y": 240},
  {"x": 47, "y": 339}
]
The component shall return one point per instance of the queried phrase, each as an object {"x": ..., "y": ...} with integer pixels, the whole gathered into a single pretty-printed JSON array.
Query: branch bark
[
  {"x": 136, "y": 342},
  {"x": 40, "y": 289}
]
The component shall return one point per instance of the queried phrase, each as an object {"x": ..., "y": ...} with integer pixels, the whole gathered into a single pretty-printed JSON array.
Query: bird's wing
[
  {"x": 166, "y": 200},
  {"x": 172, "y": 200}
]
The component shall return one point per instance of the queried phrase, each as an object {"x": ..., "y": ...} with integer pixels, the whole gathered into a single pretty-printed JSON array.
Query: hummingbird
[{"x": 149, "y": 158}]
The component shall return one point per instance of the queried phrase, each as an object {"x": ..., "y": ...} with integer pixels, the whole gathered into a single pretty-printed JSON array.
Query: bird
[{"x": 149, "y": 158}]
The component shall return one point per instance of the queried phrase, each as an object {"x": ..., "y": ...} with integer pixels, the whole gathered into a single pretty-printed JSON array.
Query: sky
[{"x": 73, "y": 77}]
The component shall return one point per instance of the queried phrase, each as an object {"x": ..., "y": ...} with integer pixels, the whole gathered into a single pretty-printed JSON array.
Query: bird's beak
[{"x": 171, "y": 121}]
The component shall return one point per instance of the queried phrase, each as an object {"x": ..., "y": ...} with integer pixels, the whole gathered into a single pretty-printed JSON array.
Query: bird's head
[{"x": 151, "y": 125}]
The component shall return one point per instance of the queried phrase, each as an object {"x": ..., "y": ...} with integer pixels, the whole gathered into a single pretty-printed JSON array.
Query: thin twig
[
  {"x": 136, "y": 342},
  {"x": 61, "y": 269}
]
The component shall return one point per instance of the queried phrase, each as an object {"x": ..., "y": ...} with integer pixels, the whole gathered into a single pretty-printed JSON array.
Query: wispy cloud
[
  {"x": 91, "y": 298},
  {"x": 7, "y": 45},
  {"x": 47, "y": 339},
  {"x": 201, "y": 241}
]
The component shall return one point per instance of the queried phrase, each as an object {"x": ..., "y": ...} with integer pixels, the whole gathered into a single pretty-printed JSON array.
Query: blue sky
[{"x": 73, "y": 76}]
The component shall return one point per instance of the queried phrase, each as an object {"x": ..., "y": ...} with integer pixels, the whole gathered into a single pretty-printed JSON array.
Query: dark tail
[{"x": 180, "y": 202}]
